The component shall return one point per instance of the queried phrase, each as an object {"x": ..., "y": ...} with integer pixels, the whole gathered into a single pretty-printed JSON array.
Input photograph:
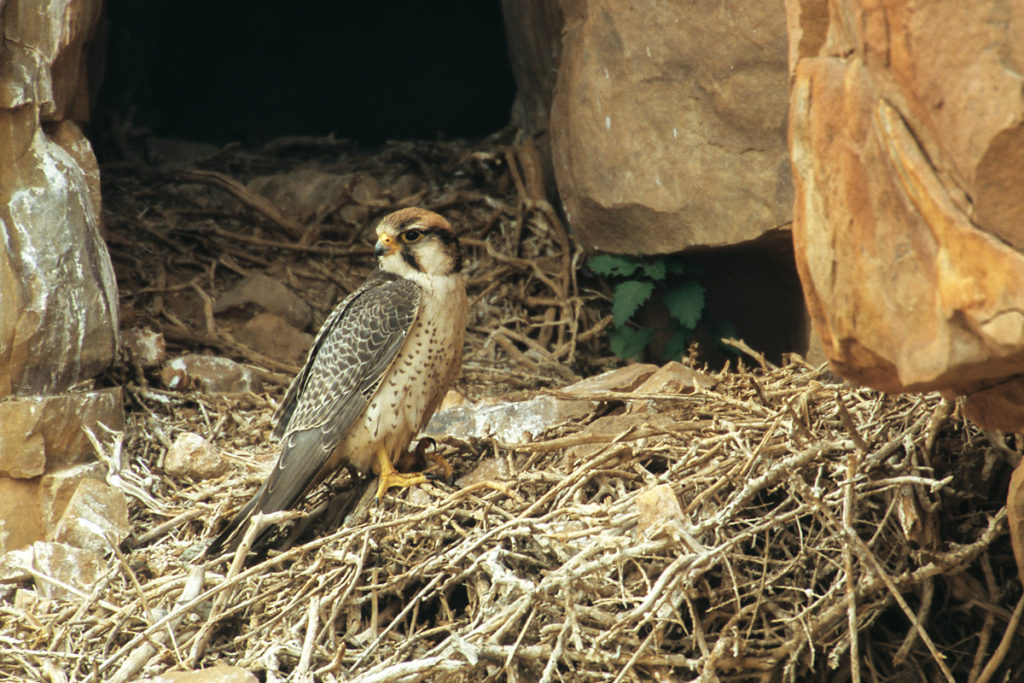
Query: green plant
[{"x": 637, "y": 280}]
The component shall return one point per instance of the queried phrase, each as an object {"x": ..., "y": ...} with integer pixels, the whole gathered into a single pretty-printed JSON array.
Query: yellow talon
[{"x": 388, "y": 477}]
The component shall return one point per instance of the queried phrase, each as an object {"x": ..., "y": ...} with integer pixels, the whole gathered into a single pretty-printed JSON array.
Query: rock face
[
  {"x": 58, "y": 298},
  {"x": 533, "y": 31},
  {"x": 908, "y": 154},
  {"x": 668, "y": 123},
  {"x": 45, "y": 456},
  {"x": 58, "y": 314},
  {"x": 44, "y": 434}
]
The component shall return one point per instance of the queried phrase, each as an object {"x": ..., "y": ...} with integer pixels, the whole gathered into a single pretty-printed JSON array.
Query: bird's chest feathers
[{"x": 426, "y": 365}]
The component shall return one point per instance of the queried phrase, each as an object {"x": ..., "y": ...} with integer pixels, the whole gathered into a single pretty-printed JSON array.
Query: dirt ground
[{"x": 772, "y": 523}]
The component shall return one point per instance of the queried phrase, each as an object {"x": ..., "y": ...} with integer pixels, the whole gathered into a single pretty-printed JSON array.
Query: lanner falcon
[{"x": 378, "y": 369}]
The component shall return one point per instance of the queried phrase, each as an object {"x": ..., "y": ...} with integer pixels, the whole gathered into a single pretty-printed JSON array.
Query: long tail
[
  {"x": 231, "y": 536},
  {"x": 299, "y": 467}
]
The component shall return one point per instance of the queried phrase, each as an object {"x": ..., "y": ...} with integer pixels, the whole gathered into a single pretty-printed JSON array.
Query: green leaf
[
  {"x": 685, "y": 302},
  {"x": 655, "y": 270},
  {"x": 629, "y": 342},
  {"x": 675, "y": 349},
  {"x": 612, "y": 265},
  {"x": 629, "y": 296}
]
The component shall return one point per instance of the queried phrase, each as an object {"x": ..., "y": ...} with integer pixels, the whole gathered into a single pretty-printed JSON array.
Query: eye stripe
[{"x": 410, "y": 258}]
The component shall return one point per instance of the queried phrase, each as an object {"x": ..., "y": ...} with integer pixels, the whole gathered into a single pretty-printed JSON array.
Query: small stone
[
  {"x": 626, "y": 378},
  {"x": 269, "y": 295},
  {"x": 68, "y": 565},
  {"x": 658, "y": 508},
  {"x": 452, "y": 399},
  {"x": 27, "y": 600},
  {"x": 193, "y": 457},
  {"x": 671, "y": 378},
  {"x": 417, "y": 496},
  {"x": 406, "y": 186},
  {"x": 145, "y": 347},
  {"x": 96, "y": 517},
  {"x": 366, "y": 190},
  {"x": 56, "y": 489},
  {"x": 355, "y": 214},
  {"x": 215, "y": 674},
  {"x": 302, "y": 192},
  {"x": 13, "y": 564},
  {"x": 211, "y": 374},
  {"x": 273, "y": 337}
]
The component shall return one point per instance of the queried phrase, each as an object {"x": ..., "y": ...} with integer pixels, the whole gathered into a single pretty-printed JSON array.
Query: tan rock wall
[
  {"x": 907, "y": 141},
  {"x": 58, "y": 313},
  {"x": 668, "y": 123},
  {"x": 58, "y": 298}
]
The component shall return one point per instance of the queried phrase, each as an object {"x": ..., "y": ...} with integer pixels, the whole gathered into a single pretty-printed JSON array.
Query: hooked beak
[{"x": 385, "y": 245}]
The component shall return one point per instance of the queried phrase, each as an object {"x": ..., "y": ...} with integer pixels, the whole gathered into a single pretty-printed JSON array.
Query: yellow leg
[{"x": 389, "y": 477}]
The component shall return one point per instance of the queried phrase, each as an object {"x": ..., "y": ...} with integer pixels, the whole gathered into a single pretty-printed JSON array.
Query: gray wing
[
  {"x": 350, "y": 356},
  {"x": 284, "y": 412},
  {"x": 347, "y": 363}
]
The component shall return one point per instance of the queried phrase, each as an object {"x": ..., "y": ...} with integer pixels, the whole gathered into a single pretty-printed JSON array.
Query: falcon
[{"x": 376, "y": 372}]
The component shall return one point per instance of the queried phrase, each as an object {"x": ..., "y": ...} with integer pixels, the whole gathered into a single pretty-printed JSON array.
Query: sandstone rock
[
  {"x": 210, "y": 373},
  {"x": 303, "y": 192},
  {"x": 69, "y": 565},
  {"x": 95, "y": 517},
  {"x": 273, "y": 337},
  {"x": 21, "y": 516},
  {"x": 56, "y": 489},
  {"x": 193, "y": 457},
  {"x": 216, "y": 674},
  {"x": 668, "y": 124},
  {"x": 355, "y": 214},
  {"x": 996, "y": 407},
  {"x": 28, "y": 601},
  {"x": 674, "y": 378},
  {"x": 42, "y": 59},
  {"x": 907, "y": 156},
  {"x": 267, "y": 294},
  {"x": 404, "y": 187},
  {"x": 452, "y": 399},
  {"x": 58, "y": 314},
  {"x": 45, "y": 433},
  {"x": 366, "y": 190},
  {"x": 658, "y": 508},
  {"x": 533, "y": 31},
  {"x": 147, "y": 348},
  {"x": 626, "y": 378}
]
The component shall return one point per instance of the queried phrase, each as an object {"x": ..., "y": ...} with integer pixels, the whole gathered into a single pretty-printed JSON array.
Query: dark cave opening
[{"x": 253, "y": 70}]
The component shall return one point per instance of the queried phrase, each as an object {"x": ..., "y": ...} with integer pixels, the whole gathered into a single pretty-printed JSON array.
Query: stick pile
[{"x": 773, "y": 525}]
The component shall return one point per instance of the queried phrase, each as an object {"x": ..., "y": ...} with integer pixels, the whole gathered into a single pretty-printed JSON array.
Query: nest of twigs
[{"x": 772, "y": 524}]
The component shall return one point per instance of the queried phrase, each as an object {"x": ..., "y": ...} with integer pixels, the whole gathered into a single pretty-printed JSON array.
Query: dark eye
[{"x": 411, "y": 236}]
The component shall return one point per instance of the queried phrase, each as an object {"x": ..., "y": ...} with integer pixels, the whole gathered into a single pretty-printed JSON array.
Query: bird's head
[{"x": 417, "y": 240}]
